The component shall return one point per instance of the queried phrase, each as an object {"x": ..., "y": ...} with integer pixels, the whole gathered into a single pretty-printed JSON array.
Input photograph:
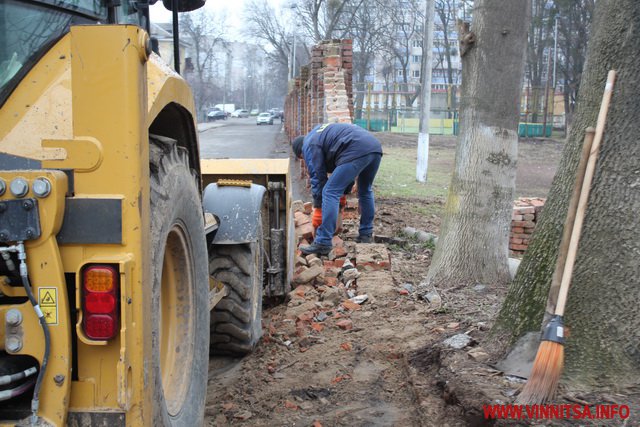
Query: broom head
[{"x": 547, "y": 367}]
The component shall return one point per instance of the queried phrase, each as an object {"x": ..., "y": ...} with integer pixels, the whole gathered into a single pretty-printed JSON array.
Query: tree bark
[
  {"x": 603, "y": 348},
  {"x": 473, "y": 245}
]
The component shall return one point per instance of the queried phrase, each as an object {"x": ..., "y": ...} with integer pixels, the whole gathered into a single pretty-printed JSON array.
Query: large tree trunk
[
  {"x": 603, "y": 348},
  {"x": 473, "y": 246}
]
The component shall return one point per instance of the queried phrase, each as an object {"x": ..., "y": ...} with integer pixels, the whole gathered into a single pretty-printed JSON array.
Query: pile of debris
[{"x": 328, "y": 289}]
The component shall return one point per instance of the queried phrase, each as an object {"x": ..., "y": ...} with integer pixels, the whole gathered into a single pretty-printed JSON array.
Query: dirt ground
[{"x": 325, "y": 362}]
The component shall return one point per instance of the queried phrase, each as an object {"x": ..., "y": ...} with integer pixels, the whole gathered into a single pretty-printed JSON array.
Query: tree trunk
[
  {"x": 473, "y": 246},
  {"x": 603, "y": 349}
]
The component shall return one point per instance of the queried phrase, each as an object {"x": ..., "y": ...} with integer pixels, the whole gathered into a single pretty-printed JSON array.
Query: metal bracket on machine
[{"x": 19, "y": 220}]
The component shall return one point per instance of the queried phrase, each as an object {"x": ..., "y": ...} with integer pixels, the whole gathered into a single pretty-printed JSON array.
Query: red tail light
[{"x": 100, "y": 302}]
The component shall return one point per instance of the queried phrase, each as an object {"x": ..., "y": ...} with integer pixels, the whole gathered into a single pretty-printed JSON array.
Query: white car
[
  {"x": 264, "y": 119},
  {"x": 240, "y": 113}
]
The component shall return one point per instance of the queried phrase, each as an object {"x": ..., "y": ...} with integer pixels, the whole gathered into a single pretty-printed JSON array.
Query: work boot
[
  {"x": 314, "y": 248},
  {"x": 364, "y": 239}
]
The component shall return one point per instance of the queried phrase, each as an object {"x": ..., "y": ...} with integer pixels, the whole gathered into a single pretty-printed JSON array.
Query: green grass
[
  {"x": 427, "y": 209},
  {"x": 397, "y": 174}
]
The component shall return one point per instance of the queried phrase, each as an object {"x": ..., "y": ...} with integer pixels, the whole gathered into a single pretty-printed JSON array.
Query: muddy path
[
  {"x": 334, "y": 365},
  {"x": 325, "y": 361}
]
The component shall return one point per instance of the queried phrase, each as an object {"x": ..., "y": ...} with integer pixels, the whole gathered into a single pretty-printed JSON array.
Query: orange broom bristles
[{"x": 545, "y": 374}]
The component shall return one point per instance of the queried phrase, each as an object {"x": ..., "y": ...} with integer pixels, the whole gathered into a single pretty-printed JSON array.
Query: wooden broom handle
[
  {"x": 569, "y": 220},
  {"x": 584, "y": 195}
]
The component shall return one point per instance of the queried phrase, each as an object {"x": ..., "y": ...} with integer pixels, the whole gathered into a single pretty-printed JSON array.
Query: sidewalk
[{"x": 202, "y": 127}]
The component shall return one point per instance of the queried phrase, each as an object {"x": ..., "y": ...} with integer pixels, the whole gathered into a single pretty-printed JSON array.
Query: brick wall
[{"x": 323, "y": 92}]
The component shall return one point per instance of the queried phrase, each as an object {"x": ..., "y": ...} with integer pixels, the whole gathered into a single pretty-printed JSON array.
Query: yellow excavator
[{"x": 125, "y": 260}]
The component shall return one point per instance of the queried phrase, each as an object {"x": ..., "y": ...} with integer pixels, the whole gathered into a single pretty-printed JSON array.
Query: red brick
[
  {"x": 301, "y": 219},
  {"x": 331, "y": 61},
  {"x": 516, "y": 217},
  {"x": 305, "y": 231},
  {"x": 345, "y": 324},
  {"x": 339, "y": 251},
  {"x": 331, "y": 271},
  {"x": 519, "y": 247},
  {"x": 518, "y": 223},
  {"x": 525, "y": 210},
  {"x": 515, "y": 241},
  {"x": 308, "y": 207},
  {"x": 529, "y": 224},
  {"x": 371, "y": 266},
  {"x": 330, "y": 281},
  {"x": 528, "y": 217},
  {"x": 337, "y": 242},
  {"x": 517, "y": 230},
  {"x": 537, "y": 202}
]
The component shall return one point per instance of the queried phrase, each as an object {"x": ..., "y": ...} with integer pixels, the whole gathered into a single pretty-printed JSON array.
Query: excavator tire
[
  {"x": 179, "y": 289},
  {"x": 236, "y": 321}
]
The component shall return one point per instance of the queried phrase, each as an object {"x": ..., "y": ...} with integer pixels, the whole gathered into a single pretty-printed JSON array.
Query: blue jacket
[{"x": 330, "y": 145}]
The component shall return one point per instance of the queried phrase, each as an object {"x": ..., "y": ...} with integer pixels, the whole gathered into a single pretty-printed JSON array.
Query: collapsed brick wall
[
  {"x": 323, "y": 92},
  {"x": 327, "y": 271},
  {"x": 526, "y": 214}
]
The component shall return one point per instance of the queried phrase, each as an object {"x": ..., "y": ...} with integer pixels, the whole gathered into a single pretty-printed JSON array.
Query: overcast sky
[{"x": 233, "y": 10}]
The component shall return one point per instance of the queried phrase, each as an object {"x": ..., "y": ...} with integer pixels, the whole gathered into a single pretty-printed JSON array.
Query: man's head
[{"x": 296, "y": 145}]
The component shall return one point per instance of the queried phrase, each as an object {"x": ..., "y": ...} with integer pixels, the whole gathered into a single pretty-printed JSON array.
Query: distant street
[{"x": 241, "y": 138}]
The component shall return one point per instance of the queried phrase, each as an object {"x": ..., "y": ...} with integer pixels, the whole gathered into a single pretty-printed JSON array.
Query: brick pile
[
  {"x": 319, "y": 271},
  {"x": 526, "y": 213},
  {"x": 328, "y": 290}
]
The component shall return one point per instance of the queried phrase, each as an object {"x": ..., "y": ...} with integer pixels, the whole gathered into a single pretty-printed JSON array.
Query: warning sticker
[{"x": 48, "y": 301}]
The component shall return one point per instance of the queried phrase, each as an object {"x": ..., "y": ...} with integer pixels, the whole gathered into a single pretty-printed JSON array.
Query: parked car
[
  {"x": 264, "y": 118},
  {"x": 276, "y": 113},
  {"x": 254, "y": 112},
  {"x": 240, "y": 113},
  {"x": 214, "y": 115}
]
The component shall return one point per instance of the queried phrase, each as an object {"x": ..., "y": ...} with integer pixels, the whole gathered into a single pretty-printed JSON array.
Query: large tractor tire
[
  {"x": 236, "y": 321},
  {"x": 179, "y": 295}
]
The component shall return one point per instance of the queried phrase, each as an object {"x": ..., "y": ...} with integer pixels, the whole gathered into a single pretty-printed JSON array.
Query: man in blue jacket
[{"x": 345, "y": 151}]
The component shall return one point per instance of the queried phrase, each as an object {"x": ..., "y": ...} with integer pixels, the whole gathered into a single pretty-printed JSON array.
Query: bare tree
[
  {"x": 540, "y": 42},
  {"x": 328, "y": 19},
  {"x": 407, "y": 19},
  {"x": 369, "y": 29},
  {"x": 603, "y": 350},
  {"x": 204, "y": 32},
  {"x": 446, "y": 48},
  {"x": 265, "y": 24},
  {"x": 574, "y": 23},
  {"x": 473, "y": 245}
]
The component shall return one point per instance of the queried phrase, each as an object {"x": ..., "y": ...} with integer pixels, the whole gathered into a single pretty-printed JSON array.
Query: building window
[
  {"x": 417, "y": 43},
  {"x": 416, "y": 59},
  {"x": 416, "y": 74},
  {"x": 400, "y": 73}
]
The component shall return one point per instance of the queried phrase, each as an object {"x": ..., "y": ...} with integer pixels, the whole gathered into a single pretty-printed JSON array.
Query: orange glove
[
  {"x": 316, "y": 219},
  {"x": 343, "y": 201}
]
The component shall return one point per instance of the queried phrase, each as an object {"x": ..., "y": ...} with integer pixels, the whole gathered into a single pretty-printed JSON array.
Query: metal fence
[{"x": 396, "y": 108}]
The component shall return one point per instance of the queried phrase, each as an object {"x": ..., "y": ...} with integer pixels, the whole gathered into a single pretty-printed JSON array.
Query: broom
[{"x": 549, "y": 362}]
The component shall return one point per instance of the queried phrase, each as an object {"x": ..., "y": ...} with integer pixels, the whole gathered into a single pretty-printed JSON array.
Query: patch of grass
[
  {"x": 427, "y": 210},
  {"x": 397, "y": 174}
]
